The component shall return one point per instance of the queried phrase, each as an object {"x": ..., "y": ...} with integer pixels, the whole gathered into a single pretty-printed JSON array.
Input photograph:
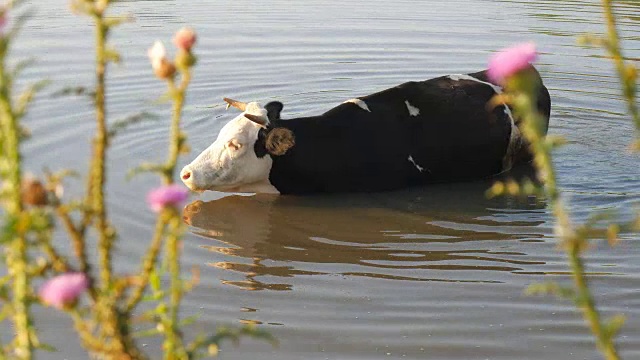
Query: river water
[{"x": 430, "y": 273}]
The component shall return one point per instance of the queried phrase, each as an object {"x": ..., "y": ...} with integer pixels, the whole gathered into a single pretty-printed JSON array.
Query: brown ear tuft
[{"x": 279, "y": 140}]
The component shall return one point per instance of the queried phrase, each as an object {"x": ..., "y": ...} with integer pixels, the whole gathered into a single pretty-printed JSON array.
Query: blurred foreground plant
[
  {"x": 510, "y": 67},
  {"x": 22, "y": 224},
  {"x": 104, "y": 321},
  {"x": 627, "y": 71}
]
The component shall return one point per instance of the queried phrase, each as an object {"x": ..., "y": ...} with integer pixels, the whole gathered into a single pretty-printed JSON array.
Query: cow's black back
[{"x": 455, "y": 137}]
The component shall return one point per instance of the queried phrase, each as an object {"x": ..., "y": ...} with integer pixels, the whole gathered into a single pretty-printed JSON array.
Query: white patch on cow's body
[
  {"x": 420, "y": 168},
  {"x": 230, "y": 164},
  {"x": 515, "y": 138},
  {"x": 515, "y": 142},
  {"x": 413, "y": 111},
  {"x": 458, "y": 77},
  {"x": 360, "y": 103}
]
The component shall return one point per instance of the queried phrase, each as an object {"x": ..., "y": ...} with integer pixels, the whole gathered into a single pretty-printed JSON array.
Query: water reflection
[{"x": 408, "y": 235}]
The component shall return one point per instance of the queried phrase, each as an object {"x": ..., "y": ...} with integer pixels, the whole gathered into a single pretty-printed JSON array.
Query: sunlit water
[{"x": 436, "y": 272}]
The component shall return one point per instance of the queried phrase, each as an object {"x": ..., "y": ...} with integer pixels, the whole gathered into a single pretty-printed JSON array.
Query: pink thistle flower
[
  {"x": 63, "y": 289},
  {"x": 509, "y": 61},
  {"x": 184, "y": 39},
  {"x": 166, "y": 195},
  {"x": 3, "y": 19}
]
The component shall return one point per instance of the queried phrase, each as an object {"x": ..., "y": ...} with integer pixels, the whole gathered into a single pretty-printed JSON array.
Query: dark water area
[{"x": 427, "y": 273}]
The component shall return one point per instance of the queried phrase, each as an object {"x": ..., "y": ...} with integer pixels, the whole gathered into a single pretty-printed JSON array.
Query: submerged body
[{"x": 416, "y": 133}]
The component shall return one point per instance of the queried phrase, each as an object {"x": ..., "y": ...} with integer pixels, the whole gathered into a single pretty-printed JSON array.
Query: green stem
[
  {"x": 543, "y": 161},
  {"x": 17, "y": 252},
  {"x": 105, "y": 238},
  {"x": 77, "y": 239},
  {"x": 20, "y": 302},
  {"x": 58, "y": 262},
  {"x": 174, "y": 348},
  {"x": 615, "y": 51},
  {"x": 85, "y": 332},
  {"x": 148, "y": 264},
  {"x": 587, "y": 304},
  {"x": 113, "y": 323},
  {"x": 177, "y": 138}
]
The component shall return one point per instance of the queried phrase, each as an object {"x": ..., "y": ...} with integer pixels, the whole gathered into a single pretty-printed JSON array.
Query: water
[{"x": 436, "y": 272}]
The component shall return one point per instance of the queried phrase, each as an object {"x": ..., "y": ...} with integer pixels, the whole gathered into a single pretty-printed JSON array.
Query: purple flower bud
[
  {"x": 509, "y": 61},
  {"x": 168, "y": 195},
  {"x": 63, "y": 289}
]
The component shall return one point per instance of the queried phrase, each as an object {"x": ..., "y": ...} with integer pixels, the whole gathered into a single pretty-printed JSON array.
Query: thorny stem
[
  {"x": 177, "y": 138},
  {"x": 78, "y": 243},
  {"x": 85, "y": 333},
  {"x": 173, "y": 345},
  {"x": 573, "y": 245},
  {"x": 148, "y": 263},
  {"x": 17, "y": 251},
  {"x": 76, "y": 239},
  {"x": 627, "y": 76},
  {"x": 58, "y": 262},
  {"x": 174, "y": 348},
  {"x": 113, "y": 326},
  {"x": 587, "y": 304},
  {"x": 105, "y": 237}
]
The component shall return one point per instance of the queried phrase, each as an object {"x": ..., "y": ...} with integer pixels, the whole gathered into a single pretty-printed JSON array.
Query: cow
[{"x": 419, "y": 132}]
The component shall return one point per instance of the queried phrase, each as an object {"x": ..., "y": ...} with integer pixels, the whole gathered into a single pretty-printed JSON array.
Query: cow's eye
[{"x": 233, "y": 145}]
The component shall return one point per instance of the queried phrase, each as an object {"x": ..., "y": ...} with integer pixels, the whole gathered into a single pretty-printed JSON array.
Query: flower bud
[
  {"x": 184, "y": 39},
  {"x": 158, "y": 57},
  {"x": 508, "y": 62},
  {"x": 157, "y": 52},
  {"x": 168, "y": 195},
  {"x": 185, "y": 60},
  {"x": 63, "y": 290},
  {"x": 164, "y": 70},
  {"x": 33, "y": 192},
  {"x": 3, "y": 18}
]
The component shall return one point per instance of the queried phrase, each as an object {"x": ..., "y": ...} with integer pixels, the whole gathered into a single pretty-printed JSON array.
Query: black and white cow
[{"x": 415, "y": 133}]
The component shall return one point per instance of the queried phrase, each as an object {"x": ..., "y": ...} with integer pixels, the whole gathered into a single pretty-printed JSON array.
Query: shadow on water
[{"x": 401, "y": 235}]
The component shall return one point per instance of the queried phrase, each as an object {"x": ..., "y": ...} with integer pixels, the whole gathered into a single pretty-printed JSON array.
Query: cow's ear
[
  {"x": 279, "y": 140},
  {"x": 274, "y": 109}
]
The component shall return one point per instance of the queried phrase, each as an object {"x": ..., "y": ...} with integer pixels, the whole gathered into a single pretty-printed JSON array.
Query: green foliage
[
  {"x": 574, "y": 239},
  {"x": 122, "y": 124},
  {"x": 146, "y": 168},
  {"x": 74, "y": 91},
  {"x": 104, "y": 322},
  {"x": 9, "y": 228},
  {"x": 27, "y": 96},
  {"x": 113, "y": 21},
  {"x": 212, "y": 343},
  {"x": 551, "y": 288}
]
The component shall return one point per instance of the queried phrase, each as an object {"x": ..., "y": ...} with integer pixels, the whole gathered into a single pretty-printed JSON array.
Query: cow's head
[{"x": 240, "y": 158}]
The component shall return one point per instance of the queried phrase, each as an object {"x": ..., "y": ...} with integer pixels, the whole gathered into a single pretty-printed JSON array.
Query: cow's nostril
[{"x": 186, "y": 175}]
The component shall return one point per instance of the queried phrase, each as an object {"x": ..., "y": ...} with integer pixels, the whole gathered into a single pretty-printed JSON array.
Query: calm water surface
[{"x": 430, "y": 273}]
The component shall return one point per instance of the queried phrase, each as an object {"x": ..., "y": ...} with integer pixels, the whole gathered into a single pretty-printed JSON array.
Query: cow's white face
[{"x": 231, "y": 163}]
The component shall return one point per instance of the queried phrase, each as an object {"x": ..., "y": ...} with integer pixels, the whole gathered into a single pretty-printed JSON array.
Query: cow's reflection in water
[{"x": 418, "y": 234}]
